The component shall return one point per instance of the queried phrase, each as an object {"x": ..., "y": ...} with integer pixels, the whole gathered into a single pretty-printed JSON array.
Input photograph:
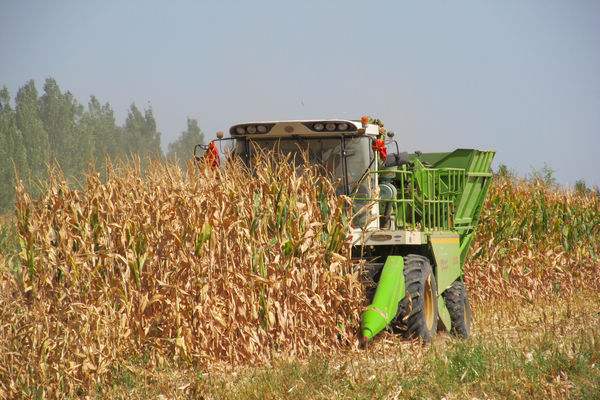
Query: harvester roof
[{"x": 319, "y": 127}]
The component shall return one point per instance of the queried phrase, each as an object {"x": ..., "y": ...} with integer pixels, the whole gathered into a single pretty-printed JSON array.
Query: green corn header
[{"x": 414, "y": 216}]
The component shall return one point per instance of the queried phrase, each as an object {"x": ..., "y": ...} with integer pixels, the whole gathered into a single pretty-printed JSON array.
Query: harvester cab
[
  {"x": 341, "y": 148},
  {"x": 414, "y": 215}
]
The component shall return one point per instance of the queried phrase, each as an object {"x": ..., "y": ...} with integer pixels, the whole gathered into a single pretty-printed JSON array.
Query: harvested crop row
[{"x": 214, "y": 266}]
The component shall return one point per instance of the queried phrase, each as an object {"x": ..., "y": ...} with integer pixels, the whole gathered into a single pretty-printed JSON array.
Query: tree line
[{"x": 52, "y": 127}]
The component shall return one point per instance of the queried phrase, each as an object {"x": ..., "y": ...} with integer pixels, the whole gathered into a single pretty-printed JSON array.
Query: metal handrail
[{"x": 429, "y": 205}]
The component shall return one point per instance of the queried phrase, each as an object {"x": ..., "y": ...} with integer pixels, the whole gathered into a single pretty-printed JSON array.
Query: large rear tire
[
  {"x": 417, "y": 312},
  {"x": 459, "y": 308}
]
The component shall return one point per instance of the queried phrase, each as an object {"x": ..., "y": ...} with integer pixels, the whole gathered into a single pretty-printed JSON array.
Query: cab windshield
[{"x": 341, "y": 158}]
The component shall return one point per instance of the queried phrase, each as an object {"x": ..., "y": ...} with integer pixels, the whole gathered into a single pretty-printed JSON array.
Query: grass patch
[{"x": 463, "y": 362}]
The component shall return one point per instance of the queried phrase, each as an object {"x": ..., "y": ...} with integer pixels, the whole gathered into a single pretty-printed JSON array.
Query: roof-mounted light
[
  {"x": 330, "y": 126},
  {"x": 251, "y": 129},
  {"x": 324, "y": 127}
]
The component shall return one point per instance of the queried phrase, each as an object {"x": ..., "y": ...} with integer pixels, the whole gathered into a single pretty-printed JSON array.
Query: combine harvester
[{"x": 414, "y": 215}]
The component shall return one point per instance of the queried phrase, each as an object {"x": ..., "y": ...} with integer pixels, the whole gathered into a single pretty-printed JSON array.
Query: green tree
[
  {"x": 581, "y": 187},
  {"x": 180, "y": 151},
  {"x": 140, "y": 134},
  {"x": 12, "y": 151},
  {"x": 70, "y": 146},
  {"x": 98, "y": 122},
  {"x": 31, "y": 127},
  {"x": 546, "y": 175},
  {"x": 504, "y": 171},
  {"x": 152, "y": 135}
]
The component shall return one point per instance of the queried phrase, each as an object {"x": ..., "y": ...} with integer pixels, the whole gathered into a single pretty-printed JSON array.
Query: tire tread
[{"x": 410, "y": 320}]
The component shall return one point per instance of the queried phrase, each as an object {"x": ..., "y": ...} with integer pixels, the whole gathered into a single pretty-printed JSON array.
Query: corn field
[
  {"x": 225, "y": 267},
  {"x": 534, "y": 240},
  {"x": 215, "y": 266}
]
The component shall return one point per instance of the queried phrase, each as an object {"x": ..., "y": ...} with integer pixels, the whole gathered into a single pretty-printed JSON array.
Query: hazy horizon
[{"x": 521, "y": 77}]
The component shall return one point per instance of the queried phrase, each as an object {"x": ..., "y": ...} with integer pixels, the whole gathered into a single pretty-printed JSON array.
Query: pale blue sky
[{"x": 521, "y": 77}]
